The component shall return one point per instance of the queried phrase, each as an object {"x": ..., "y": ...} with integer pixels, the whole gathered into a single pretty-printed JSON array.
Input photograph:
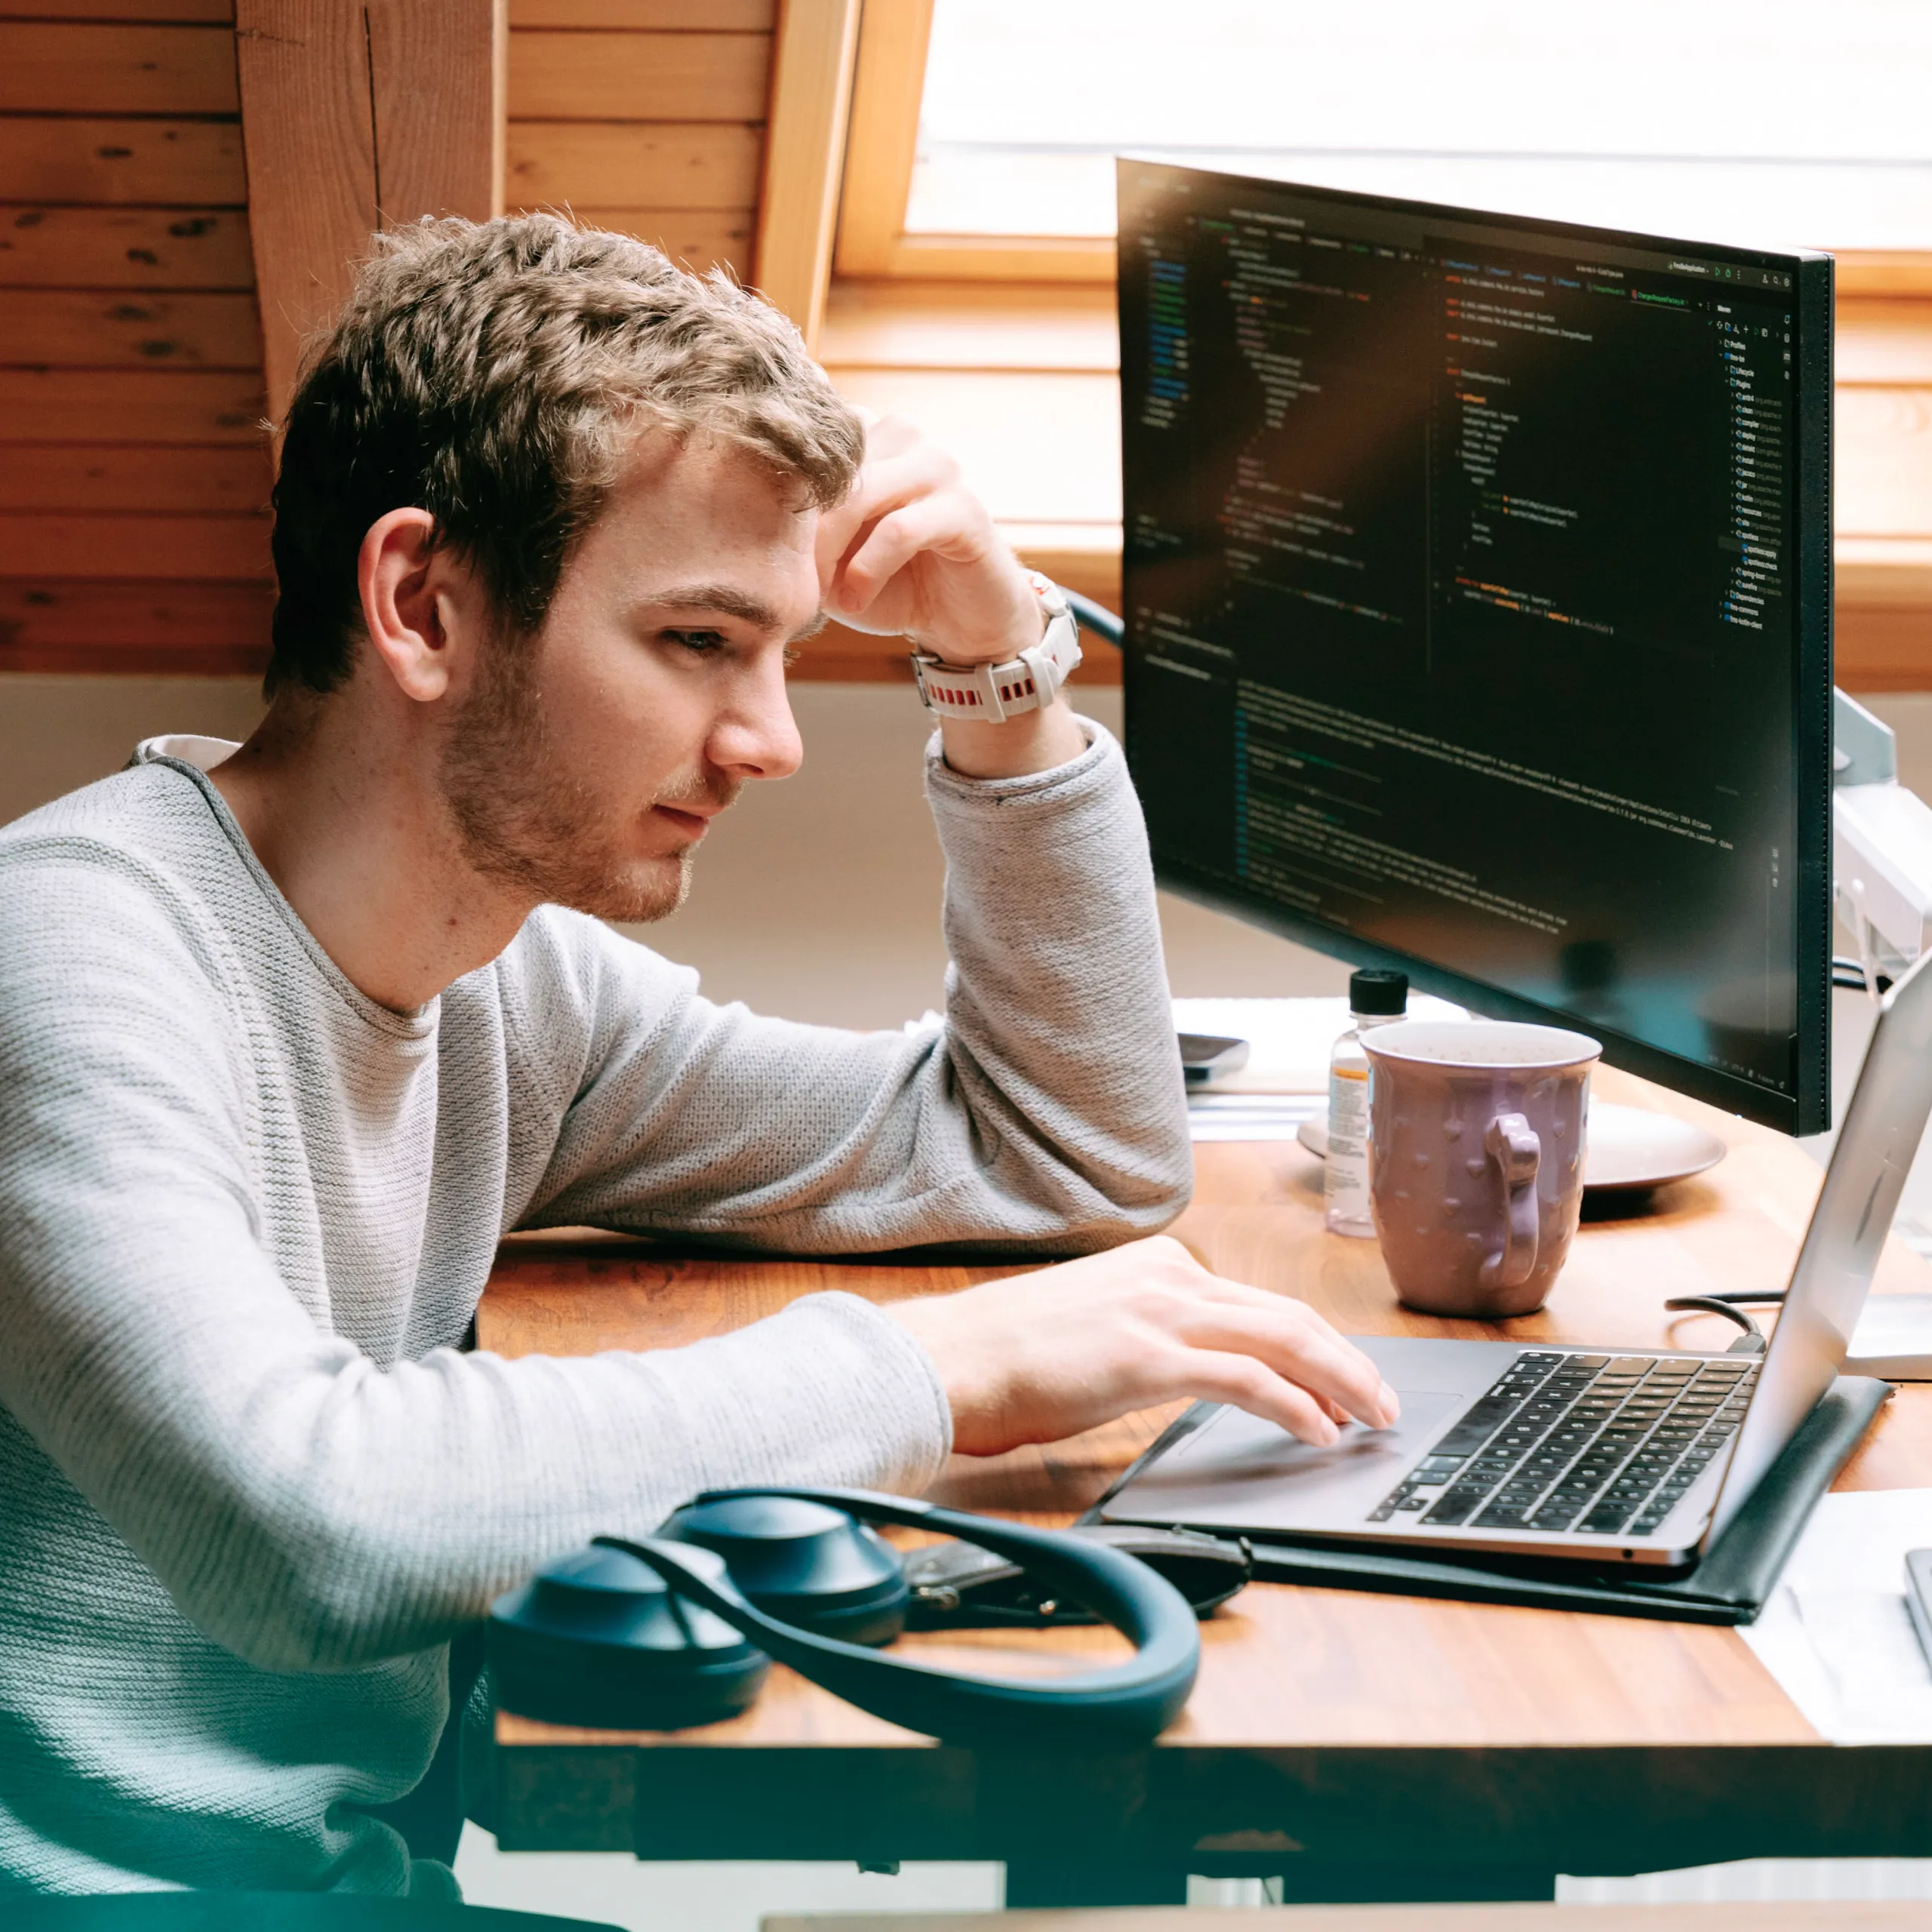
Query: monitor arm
[{"x": 1881, "y": 846}]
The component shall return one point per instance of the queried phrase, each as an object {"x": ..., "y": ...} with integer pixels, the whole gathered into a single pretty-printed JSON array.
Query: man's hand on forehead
[{"x": 913, "y": 552}]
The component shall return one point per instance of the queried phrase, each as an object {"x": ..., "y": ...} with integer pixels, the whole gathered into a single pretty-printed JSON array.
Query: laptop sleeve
[{"x": 1729, "y": 1585}]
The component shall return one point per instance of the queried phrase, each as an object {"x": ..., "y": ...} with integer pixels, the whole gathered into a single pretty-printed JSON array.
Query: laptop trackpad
[{"x": 1237, "y": 1471}]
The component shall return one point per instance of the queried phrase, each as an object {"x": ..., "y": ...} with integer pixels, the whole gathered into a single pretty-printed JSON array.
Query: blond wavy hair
[{"x": 495, "y": 375}]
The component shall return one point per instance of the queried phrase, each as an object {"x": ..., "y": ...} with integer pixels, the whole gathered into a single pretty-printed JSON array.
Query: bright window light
[{"x": 1780, "y": 122}]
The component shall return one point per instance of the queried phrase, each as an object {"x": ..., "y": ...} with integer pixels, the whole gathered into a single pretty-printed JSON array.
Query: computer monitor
[{"x": 1477, "y": 601}]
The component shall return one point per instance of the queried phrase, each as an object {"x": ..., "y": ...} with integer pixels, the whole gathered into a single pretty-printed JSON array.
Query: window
[{"x": 984, "y": 130}]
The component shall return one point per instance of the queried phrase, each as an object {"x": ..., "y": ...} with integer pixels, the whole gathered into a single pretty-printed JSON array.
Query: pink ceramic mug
[{"x": 1476, "y": 1159}]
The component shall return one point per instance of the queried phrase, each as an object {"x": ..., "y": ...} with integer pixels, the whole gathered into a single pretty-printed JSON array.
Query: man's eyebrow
[{"x": 724, "y": 599}]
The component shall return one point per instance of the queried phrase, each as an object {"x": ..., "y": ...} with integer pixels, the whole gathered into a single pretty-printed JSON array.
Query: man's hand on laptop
[{"x": 1037, "y": 1357}]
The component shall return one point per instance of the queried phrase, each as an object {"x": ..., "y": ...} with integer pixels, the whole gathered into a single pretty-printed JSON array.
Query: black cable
[
  {"x": 1752, "y": 1341},
  {"x": 1102, "y": 621},
  {"x": 1850, "y": 974}
]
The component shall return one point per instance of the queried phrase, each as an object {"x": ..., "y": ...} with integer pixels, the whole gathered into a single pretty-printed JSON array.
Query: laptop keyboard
[{"x": 1608, "y": 1444}]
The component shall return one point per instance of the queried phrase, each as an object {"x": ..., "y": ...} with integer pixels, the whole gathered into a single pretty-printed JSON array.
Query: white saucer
[{"x": 1629, "y": 1147}]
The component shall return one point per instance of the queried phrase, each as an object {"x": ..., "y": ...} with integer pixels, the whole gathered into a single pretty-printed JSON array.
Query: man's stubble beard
[{"x": 525, "y": 817}]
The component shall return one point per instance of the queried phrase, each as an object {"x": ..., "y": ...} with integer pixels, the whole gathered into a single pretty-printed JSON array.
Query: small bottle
[{"x": 1376, "y": 997}]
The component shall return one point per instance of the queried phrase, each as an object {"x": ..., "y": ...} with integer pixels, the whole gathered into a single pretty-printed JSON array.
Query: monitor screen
[{"x": 1477, "y": 595}]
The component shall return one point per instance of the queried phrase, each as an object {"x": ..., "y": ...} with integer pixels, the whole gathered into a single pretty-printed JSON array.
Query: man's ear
[{"x": 408, "y": 604}]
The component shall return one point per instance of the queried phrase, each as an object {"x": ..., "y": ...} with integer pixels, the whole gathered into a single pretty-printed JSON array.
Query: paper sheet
[
  {"x": 1836, "y": 1633},
  {"x": 1218, "y": 1116}
]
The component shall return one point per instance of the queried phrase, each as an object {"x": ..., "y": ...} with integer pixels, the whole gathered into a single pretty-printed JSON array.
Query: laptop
[{"x": 1636, "y": 1456}]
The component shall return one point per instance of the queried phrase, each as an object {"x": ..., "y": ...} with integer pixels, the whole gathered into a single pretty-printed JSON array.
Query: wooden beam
[
  {"x": 310, "y": 137},
  {"x": 439, "y": 146},
  {"x": 887, "y": 90},
  {"x": 329, "y": 93},
  {"x": 804, "y": 152}
]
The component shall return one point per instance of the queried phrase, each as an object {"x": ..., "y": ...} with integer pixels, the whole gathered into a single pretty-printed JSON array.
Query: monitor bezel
[{"x": 1807, "y": 1109}]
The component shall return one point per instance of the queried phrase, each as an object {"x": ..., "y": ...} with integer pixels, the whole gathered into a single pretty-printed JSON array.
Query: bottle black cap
[{"x": 1375, "y": 989}]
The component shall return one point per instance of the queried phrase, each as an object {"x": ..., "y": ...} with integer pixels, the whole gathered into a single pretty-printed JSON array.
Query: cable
[
  {"x": 1849, "y": 973},
  {"x": 1752, "y": 1341},
  {"x": 1103, "y": 623}
]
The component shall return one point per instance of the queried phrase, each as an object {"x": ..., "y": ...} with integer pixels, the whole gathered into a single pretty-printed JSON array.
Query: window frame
[{"x": 888, "y": 90}]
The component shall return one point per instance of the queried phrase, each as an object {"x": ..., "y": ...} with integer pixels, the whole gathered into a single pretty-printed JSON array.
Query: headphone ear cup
[
  {"x": 804, "y": 1564},
  {"x": 598, "y": 1639}
]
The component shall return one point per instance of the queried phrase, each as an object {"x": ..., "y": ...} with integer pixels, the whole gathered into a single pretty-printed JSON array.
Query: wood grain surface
[
  {"x": 134, "y": 546},
  {"x": 205, "y": 10},
  {"x": 805, "y": 157},
  {"x": 98, "y": 624},
  {"x": 715, "y": 15},
  {"x": 1470, "y": 1705},
  {"x": 47, "y": 477},
  {"x": 636, "y": 164},
  {"x": 132, "y": 406},
  {"x": 598, "y": 76},
  {"x": 109, "y": 159},
  {"x": 46, "y": 247},
  {"x": 63, "y": 67},
  {"x": 699, "y": 239},
  {"x": 99, "y": 328}
]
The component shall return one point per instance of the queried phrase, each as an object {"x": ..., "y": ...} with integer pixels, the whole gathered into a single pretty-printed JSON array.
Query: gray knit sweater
[{"x": 248, "y": 1485}]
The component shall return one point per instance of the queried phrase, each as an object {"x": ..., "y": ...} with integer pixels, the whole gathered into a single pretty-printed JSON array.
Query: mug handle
[{"x": 1511, "y": 1143}]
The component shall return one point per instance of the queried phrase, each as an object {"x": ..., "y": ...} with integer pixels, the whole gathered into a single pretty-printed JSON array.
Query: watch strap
[{"x": 993, "y": 692}]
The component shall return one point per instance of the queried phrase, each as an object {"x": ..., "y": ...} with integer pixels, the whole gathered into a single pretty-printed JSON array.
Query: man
[{"x": 290, "y": 1034}]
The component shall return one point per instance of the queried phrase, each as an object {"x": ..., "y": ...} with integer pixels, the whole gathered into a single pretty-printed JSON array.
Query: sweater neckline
[{"x": 185, "y": 754}]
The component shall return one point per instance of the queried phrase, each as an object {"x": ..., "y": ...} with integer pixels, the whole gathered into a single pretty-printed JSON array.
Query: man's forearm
[{"x": 1035, "y": 741}]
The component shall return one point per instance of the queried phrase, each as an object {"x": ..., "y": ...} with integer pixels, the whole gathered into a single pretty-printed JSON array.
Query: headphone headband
[{"x": 1129, "y": 1702}]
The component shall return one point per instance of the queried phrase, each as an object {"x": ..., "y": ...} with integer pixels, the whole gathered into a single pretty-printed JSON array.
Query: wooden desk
[{"x": 1363, "y": 1746}]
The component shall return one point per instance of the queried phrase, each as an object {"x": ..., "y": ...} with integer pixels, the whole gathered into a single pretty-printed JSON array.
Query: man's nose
[{"x": 758, "y": 737}]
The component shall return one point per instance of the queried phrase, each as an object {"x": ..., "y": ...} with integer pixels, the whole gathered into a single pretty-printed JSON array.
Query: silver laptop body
[{"x": 1705, "y": 1427}]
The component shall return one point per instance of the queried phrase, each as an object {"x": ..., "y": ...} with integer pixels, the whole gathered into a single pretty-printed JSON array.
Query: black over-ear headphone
[{"x": 679, "y": 1629}]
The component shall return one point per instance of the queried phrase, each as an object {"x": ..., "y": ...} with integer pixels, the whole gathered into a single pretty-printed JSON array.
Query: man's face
[{"x": 583, "y": 764}]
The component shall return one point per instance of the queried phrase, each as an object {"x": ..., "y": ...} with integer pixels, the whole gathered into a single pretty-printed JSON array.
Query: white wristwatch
[{"x": 993, "y": 692}]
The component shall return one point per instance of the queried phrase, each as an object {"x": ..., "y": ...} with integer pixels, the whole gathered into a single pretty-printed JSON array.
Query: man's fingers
[
  {"x": 932, "y": 523},
  {"x": 1295, "y": 1343},
  {"x": 891, "y": 484},
  {"x": 898, "y": 465},
  {"x": 1211, "y": 1376},
  {"x": 1295, "y": 1340}
]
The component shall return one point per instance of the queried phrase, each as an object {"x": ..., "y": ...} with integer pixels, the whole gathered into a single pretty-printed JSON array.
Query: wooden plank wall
[
  {"x": 134, "y": 467},
  {"x": 647, "y": 116}
]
